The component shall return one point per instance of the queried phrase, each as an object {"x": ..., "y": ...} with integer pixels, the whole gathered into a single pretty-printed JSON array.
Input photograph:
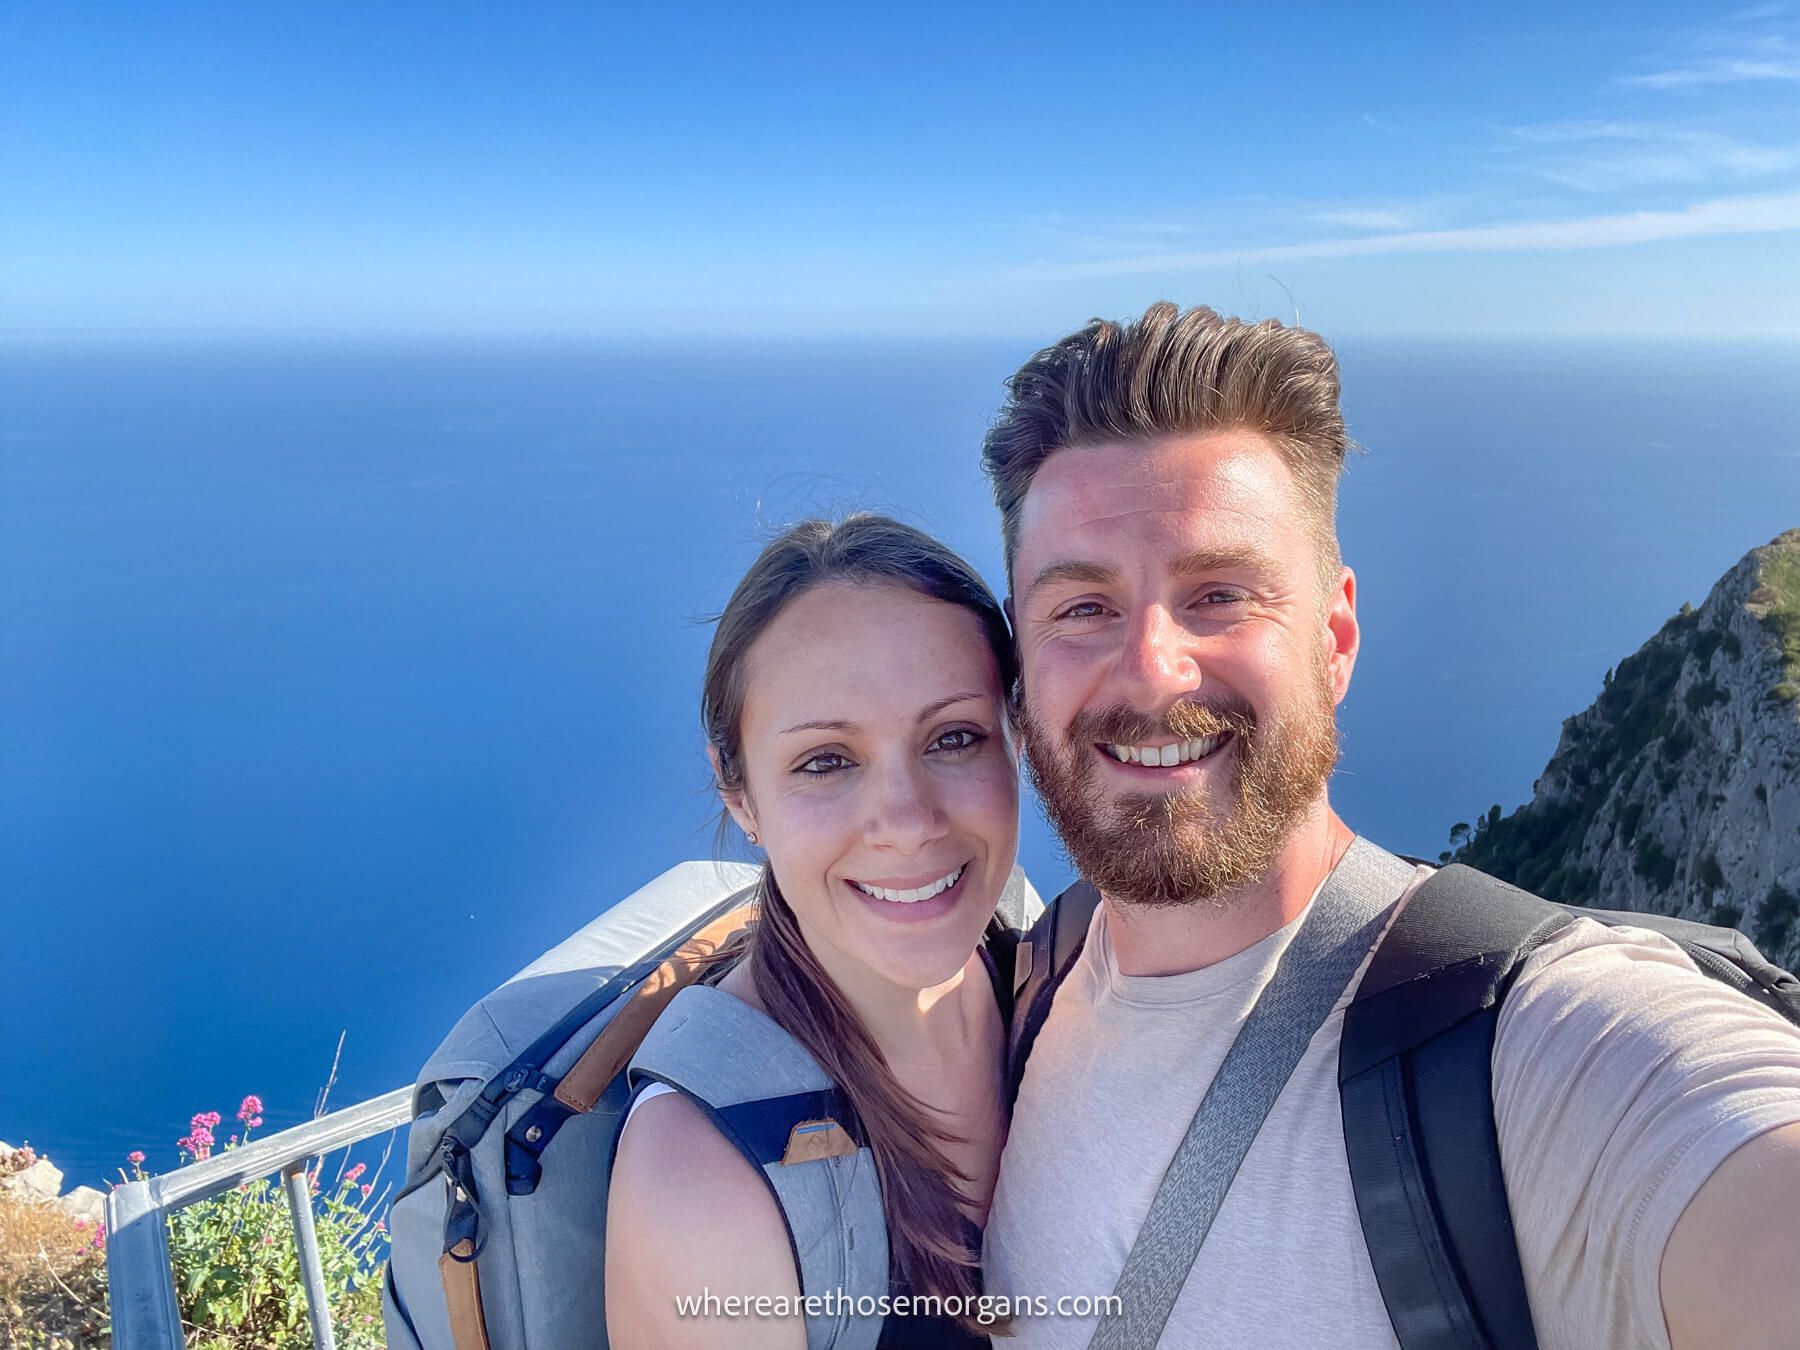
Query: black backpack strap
[
  {"x": 1042, "y": 961},
  {"x": 1415, "y": 1078},
  {"x": 999, "y": 954}
]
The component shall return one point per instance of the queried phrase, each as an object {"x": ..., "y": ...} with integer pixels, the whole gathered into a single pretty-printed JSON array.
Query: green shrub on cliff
[{"x": 1778, "y": 597}]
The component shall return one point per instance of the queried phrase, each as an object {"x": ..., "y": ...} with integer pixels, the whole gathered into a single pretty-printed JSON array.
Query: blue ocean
[{"x": 338, "y": 680}]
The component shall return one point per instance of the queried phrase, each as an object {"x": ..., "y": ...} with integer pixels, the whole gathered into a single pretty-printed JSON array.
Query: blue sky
[{"x": 453, "y": 169}]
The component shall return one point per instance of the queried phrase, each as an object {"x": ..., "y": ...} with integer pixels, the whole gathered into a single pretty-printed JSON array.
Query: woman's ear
[{"x": 735, "y": 799}]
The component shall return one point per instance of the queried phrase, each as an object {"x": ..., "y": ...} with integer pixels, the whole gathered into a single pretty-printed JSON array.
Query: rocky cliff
[{"x": 1678, "y": 791}]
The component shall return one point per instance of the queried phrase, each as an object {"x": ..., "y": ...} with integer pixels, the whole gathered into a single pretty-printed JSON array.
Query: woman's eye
[
  {"x": 962, "y": 738},
  {"x": 829, "y": 761}
]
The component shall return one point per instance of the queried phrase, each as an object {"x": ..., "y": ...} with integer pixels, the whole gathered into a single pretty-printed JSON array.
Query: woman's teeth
[
  {"x": 912, "y": 897},
  {"x": 1165, "y": 756}
]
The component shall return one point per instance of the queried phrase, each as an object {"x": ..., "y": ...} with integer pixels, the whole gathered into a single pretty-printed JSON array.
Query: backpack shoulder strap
[
  {"x": 1415, "y": 1079},
  {"x": 1041, "y": 962},
  {"x": 780, "y": 1110}
]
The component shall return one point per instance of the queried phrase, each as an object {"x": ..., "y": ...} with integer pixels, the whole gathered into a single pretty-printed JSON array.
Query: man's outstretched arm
[
  {"x": 1649, "y": 1122},
  {"x": 1731, "y": 1269}
]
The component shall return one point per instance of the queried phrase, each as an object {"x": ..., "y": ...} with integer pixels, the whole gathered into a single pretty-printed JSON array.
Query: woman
[{"x": 855, "y": 706}]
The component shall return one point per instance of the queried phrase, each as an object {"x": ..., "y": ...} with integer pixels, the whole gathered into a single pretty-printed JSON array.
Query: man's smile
[
  {"x": 1166, "y": 755},
  {"x": 1163, "y": 760}
]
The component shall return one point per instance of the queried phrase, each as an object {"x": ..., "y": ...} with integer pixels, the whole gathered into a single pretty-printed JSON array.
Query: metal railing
[{"x": 140, "y": 1278}]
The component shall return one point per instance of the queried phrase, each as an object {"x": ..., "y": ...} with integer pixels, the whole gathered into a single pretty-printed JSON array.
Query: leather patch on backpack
[
  {"x": 462, "y": 1297},
  {"x": 812, "y": 1140}
]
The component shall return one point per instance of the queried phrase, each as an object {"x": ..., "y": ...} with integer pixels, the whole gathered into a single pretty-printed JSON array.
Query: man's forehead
[{"x": 1235, "y": 482}]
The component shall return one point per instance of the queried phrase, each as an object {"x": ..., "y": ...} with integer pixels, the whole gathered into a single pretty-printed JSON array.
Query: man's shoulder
[
  {"x": 1590, "y": 959},
  {"x": 1596, "y": 993}
]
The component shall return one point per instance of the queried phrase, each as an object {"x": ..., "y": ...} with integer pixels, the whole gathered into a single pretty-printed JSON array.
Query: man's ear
[
  {"x": 1343, "y": 635},
  {"x": 735, "y": 799}
]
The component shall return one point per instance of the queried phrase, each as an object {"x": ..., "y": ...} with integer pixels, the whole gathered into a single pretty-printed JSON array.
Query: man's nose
[
  {"x": 905, "y": 814},
  {"x": 1158, "y": 664}
]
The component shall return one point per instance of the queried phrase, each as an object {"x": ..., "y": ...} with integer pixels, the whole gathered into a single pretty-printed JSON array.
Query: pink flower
[
  {"x": 135, "y": 1157},
  {"x": 367, "y": 1188},
  {"x": 268, "y": 1241},
  {"x": 252, "y": 1106},
  {"x": 253, "y": 1122},
  {"x": 81, "y": 1223},
  {"x": 380, "y": 1226},
  {"x": 355, "y": 1172},
  {"x": 199, "y": 1142}
]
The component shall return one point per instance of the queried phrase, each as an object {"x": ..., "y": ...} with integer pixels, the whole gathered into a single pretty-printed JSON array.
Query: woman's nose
[{"x": 905, "y": 815}]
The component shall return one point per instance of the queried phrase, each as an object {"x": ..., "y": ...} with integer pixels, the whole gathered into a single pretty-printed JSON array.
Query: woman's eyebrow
[
  {"x": 817, "y": 726},
  {"x": 929, "y": 711}
]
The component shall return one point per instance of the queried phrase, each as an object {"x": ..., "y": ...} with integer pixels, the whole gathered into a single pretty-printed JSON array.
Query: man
[{"x": 1186, "y": 630}]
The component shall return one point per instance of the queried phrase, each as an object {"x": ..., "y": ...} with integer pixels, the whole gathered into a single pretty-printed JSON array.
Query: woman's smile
[{"x": 900, "y": 901}]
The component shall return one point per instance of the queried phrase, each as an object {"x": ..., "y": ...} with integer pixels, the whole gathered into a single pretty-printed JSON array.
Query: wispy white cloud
[
  {"x": 1748, "y": 46},
  {"x": 1601, "y": 156},
  {"x": 1717, "y": 70},
  {"x": 1374, "y": 218},
  {"x": 1562, "y": 133},
  {"x": 1752, "y": 214},
  {"x": 1381, "y": 124},
  {"x": 1200, "y": 224}
]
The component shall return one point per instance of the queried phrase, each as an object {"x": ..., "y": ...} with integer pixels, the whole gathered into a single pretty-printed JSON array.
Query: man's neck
[{"x": 1175, "y": 939}]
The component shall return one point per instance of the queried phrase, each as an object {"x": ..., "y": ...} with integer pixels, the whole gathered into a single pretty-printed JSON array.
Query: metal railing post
[
  {"x": 144, "y": 1313},
  {"x": 306, "y": 1238}
]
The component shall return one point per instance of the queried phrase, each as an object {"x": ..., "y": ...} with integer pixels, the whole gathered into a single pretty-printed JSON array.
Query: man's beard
[{"x": 1176, "y": 846}]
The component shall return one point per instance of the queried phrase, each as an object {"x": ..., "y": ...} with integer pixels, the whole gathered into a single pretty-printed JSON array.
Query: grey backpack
[{"x": 499, "y": 1234}]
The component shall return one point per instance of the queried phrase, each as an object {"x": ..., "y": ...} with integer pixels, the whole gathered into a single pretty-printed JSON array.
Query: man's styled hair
[{"x": 1174, "y": 372}]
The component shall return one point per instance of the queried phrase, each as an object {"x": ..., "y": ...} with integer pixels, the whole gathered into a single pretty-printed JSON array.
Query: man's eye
[
  {"x": 1085, "y": 609},
  {"x": 826, "y": 762},
  {"x": 959, "y": 739},
  {"x": 1222, "y": 597}
]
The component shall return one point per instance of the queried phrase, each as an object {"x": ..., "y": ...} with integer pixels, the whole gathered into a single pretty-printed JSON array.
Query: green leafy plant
[{"x": 237, "y": 1270}]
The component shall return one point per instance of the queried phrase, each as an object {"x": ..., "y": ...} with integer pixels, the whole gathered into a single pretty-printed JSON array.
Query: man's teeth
[
  {"x": 912, "y": 897},
  {"x": 1165, "y": 756}
]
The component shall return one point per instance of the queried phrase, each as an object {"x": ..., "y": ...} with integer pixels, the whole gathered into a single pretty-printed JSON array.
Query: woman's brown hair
[{"x": 919, "y": 1185}]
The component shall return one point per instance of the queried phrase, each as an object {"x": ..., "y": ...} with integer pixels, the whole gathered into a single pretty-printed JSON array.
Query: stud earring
[{"x": 753, "y": 839}]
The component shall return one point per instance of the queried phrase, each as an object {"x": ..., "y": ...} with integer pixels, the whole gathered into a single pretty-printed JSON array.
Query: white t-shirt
[{"x": 1622, "y": 1077}]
